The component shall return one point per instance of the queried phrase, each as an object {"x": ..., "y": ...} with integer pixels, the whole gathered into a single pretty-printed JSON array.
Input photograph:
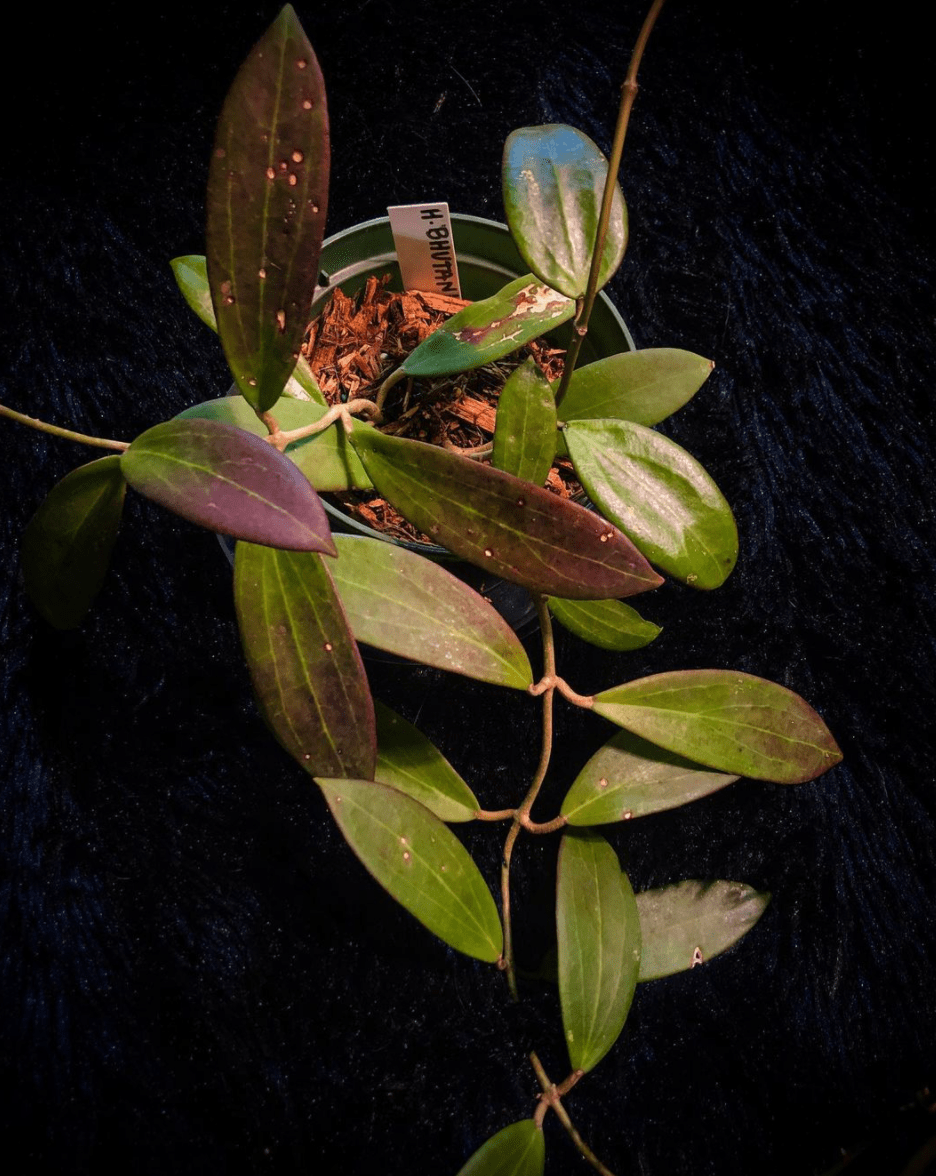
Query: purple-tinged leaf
[
  {"x": 598, "y": 934},
  {"x": 686, "y": 924},
  {"x": 490, "y": 329},
  {"x": 326, "y": 458},
  {"x": 402, "y": 603},
  {"x": 220, "y": 477},
  {"x": 191, "y": 274},
  {"x": 525, "y": 432},
  {"x": 641, "y": 386},
  {"x": 727, "y": 720},
  {"x": 609, "y": 624},
  {"x": 304, "y": 664},
  {"x": 660, "y": 497},
  {"x": 517, "y": 1150},
  {"x": 507, "y": 527},
  {"x": 420, "y": 862},
  {"x": 267, "y": 196},
  {"x": 408, "y": 762},
  {"x": 68, "y": 541},
  {"x": 554, "y": 178},
  {"x": 630, "y": 777}
]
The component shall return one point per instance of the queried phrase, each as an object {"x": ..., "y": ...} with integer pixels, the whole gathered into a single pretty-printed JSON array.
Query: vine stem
[
  {"x": 554, "y": 682},
  {"x": 628, "y": 94},
  {"x": 523, "y": 811},
  {"x": 550, "y": 1100},
  {"x": 57, "y": 431},
  {"x": 343, "y": 412}
]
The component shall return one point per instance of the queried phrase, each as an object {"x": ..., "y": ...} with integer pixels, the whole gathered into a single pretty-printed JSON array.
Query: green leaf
[
  {"x": 304, "y": 664},
  {"x": 609, "y": 624},
  {"x": 510, "y": 528},
  {"x": 630, "y": 777},
  {"x": 599, "y": 946},
  {"x": 554, "y": 178},
  {"x": 402, "y": 603},
  {"x": 686, "y": 924},
  {"x": 517, "y": 1150},
  {"x": 221, "y": 477},
  {"x": 490, "y": 329},
  {"x": 659, "y": 496},
  {"x": 525, "y": 430},
  {"x": 407, "y": 761},
  {"x": 267, "y": 196},
  {"x": 726, "y": 720},
  {"x": 302, "y": 385},
  {"x": 191, "y": 273},
  {"x": 326, "y": 458},
  {"x": 420, "y": 862},
  {"x": 641, "y": 386},
  {"x": 67, "y": 543}
]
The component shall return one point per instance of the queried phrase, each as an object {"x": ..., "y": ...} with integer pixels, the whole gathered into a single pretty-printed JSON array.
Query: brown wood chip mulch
[{"x": 357, "y": 342}]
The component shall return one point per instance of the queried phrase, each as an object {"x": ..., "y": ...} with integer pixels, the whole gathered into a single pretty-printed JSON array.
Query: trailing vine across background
[{"x": 305, "y": 598}]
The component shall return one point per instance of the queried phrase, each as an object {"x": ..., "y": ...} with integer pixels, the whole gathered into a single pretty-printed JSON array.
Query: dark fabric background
[{"x": 196, "y": 976}]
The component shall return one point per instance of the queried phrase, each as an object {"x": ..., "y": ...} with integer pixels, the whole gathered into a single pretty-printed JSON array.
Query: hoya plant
[{"x": 252, "y": 466}]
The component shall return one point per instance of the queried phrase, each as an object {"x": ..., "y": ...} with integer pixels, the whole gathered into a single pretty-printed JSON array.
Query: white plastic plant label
[{"x": 422, "y": 234}]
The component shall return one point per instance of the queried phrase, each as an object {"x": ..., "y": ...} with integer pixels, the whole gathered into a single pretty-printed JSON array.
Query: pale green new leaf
[
  {"x": 688, "y": 923},
  {"x": 598, "y": 932},
  {"x": 609, "y": 624},
  {"x": 517, "y": 1150},
  {"x": 409, "y": 762},
  {"x": 420, "y": 862},
  {"x": 191, "y": 275}
]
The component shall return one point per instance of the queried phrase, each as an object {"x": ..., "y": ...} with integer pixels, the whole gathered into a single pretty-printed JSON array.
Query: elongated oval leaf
[
  {"x": 726, "y": 720},
  {"x": 490, "y": 329},
  {"x": 514, "y": 530},
  {"x": 224, "y": 478},
  {"x": 659, "y": 496},
  {"x": 304, "y": 663},
  {"x": 402, "y": 603},
  {"x": 609, "y": 624},
  {"x": 327, "y": 458},
  {"x": 684, "y": 925},
  {"x": 554, "y": 178},
  {"x": 630, "y": 777},
  {"x": 420, "y": 862},
  {"x": 267, "y": 196},
  {"x": 517, "y": 1150},
  {"x": 599, "y": 946},
  {"x": 407, "y": 761},
  {"x": 525, "y": 431},
  {"x": 67, "y": 543},
  {"x": 641, "y": 386},
  {"x": 191, "y": 273}
]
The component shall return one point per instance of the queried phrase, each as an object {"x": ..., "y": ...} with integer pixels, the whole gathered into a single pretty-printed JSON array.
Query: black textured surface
[{"x": 195, "y": 974}]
